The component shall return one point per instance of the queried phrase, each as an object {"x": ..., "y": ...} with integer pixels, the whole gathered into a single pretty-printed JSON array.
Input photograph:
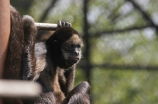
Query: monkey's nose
[{"x": 76, "y": 53}]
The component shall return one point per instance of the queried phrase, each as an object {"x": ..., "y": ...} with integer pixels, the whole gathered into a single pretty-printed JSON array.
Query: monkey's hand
[{"x": 64, "y": 23}]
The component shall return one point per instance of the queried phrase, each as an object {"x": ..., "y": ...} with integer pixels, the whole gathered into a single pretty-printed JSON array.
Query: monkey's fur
[
  {"x": 16, "y": 45},
  {"x": 43, "y": 62}
]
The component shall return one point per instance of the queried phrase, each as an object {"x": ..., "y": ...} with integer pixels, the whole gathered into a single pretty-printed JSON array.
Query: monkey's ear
[{"x": 55, "y": 42}]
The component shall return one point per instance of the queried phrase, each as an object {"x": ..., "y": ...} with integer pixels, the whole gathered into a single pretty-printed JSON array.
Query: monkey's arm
[
  {"x": 70, "y": 76},
  {"x": 66, "y": 79},
  {"x": 29, "y": 59}
]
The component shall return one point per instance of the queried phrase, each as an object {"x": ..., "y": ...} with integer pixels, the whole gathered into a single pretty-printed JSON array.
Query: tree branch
[
  {"x": 144, "y": 14},
  {"x": 122, "y": 67},
  {"x": 110, "y": 32}
]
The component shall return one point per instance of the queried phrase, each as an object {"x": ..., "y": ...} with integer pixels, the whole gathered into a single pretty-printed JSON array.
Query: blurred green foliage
[
  {"x": 124, "y": 87},
  {"x": 137, "y": 47}
]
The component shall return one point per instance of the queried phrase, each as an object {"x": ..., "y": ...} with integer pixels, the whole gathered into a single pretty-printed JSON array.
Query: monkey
[
  {"x": 64, "y": 51},
  {"x": 54, "y": 67}
]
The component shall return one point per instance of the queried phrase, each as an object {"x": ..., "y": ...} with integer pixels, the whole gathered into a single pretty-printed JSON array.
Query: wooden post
[{"x": 4, "y": 31}]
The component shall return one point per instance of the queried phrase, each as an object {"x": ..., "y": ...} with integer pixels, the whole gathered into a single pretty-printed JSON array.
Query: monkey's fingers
[
  {"x": 68, "y": 24},
  {"x": 64, "y": 23},
  {"x": 59, "y": 23}
]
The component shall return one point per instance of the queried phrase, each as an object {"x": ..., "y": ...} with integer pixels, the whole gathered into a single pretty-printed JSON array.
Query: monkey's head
[{"x": 65, "y": 47}]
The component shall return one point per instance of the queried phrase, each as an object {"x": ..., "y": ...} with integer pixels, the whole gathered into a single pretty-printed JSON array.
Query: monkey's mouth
[{"x": 74, "y": 59}]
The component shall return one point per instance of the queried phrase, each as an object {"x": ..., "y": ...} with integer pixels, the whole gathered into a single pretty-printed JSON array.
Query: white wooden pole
[
  {"x": 46, "y": 26},
  {"x": 19, "y": 88}
]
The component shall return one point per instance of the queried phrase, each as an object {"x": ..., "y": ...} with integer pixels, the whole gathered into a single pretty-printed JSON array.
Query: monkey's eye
[
  {"x": 78, "y": 46},
  {"x": 71, "y": 45}
]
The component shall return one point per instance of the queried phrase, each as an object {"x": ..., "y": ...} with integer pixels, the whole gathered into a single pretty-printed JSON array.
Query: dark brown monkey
[
  {"x": 63, "y": 53},
  {"x": 56, "y": 61},
  {"x": 16, "y": 45}
]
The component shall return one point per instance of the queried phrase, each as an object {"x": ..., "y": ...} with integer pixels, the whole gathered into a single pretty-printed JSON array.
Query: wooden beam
[
  {"x": 4, "y": 31},
  {"x": 19, "y": 89}
]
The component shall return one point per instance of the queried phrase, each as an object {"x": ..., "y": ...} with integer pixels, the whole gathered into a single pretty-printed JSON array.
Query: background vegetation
[{"x": 120, "y": 55}]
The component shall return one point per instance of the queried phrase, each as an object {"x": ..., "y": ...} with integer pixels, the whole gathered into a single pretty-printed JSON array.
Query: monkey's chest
[
  {"x": 52, "y": 93},
  {"x": 49, "y": 98},
  {"x": 52, "y": 97}
]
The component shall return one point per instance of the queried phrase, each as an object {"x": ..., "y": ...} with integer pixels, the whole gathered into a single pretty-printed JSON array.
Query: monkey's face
[{"x": 71, "y": 49}]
